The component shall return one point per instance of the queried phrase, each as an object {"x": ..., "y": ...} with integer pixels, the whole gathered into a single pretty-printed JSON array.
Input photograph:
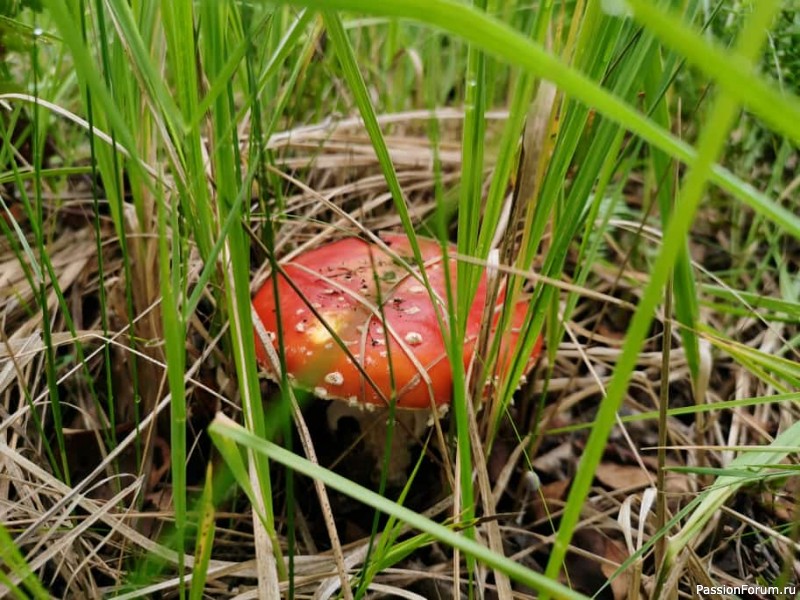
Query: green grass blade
[
  {"x": 205, "y": 538},
  {"x": 11, "y": 558},
  {"x": 174, "y": 342},
  {"x": 460, "y": 300},
  {"x": 471, "y": 196},
  {"x": 663, "y": 169}
]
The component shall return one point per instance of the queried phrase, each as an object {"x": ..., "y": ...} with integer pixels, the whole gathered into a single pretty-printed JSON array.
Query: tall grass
[{"x": 180, "y": 99}]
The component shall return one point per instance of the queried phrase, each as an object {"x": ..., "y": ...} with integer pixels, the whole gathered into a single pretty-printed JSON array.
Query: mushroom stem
[{"x": 374, "y": 426}]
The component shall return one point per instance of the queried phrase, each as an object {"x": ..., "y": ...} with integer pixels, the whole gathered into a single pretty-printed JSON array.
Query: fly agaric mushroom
[{"x": 363, "y": 325}]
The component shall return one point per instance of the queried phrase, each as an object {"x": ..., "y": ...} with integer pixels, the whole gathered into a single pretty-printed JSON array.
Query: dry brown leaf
[
  {"x": 595, "y": 560},
  {"x": 619, "y": 477},
  {"x": 615, "y": 553},
  {"x": 549, "y": 498}
]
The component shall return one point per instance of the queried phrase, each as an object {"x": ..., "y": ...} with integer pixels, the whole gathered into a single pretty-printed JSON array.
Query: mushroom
[{"x": 350, "y": 311}]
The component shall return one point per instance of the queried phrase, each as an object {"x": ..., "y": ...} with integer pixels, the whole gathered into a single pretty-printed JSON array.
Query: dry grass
[{"x": 82, "y": 539}]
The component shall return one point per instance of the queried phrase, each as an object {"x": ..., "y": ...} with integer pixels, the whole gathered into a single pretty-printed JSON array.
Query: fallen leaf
[
  {"x": 619, "y": 477},
  {"x": 549, "y": 498},
  {"x": 614, "y": 553}
]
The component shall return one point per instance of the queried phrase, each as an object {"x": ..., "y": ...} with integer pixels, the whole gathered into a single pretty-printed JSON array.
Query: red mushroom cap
[{"x": 340, "y": 282}]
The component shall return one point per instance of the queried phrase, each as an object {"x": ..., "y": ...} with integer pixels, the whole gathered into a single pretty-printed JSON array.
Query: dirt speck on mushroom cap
[{"x": 356, "y": 286}]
